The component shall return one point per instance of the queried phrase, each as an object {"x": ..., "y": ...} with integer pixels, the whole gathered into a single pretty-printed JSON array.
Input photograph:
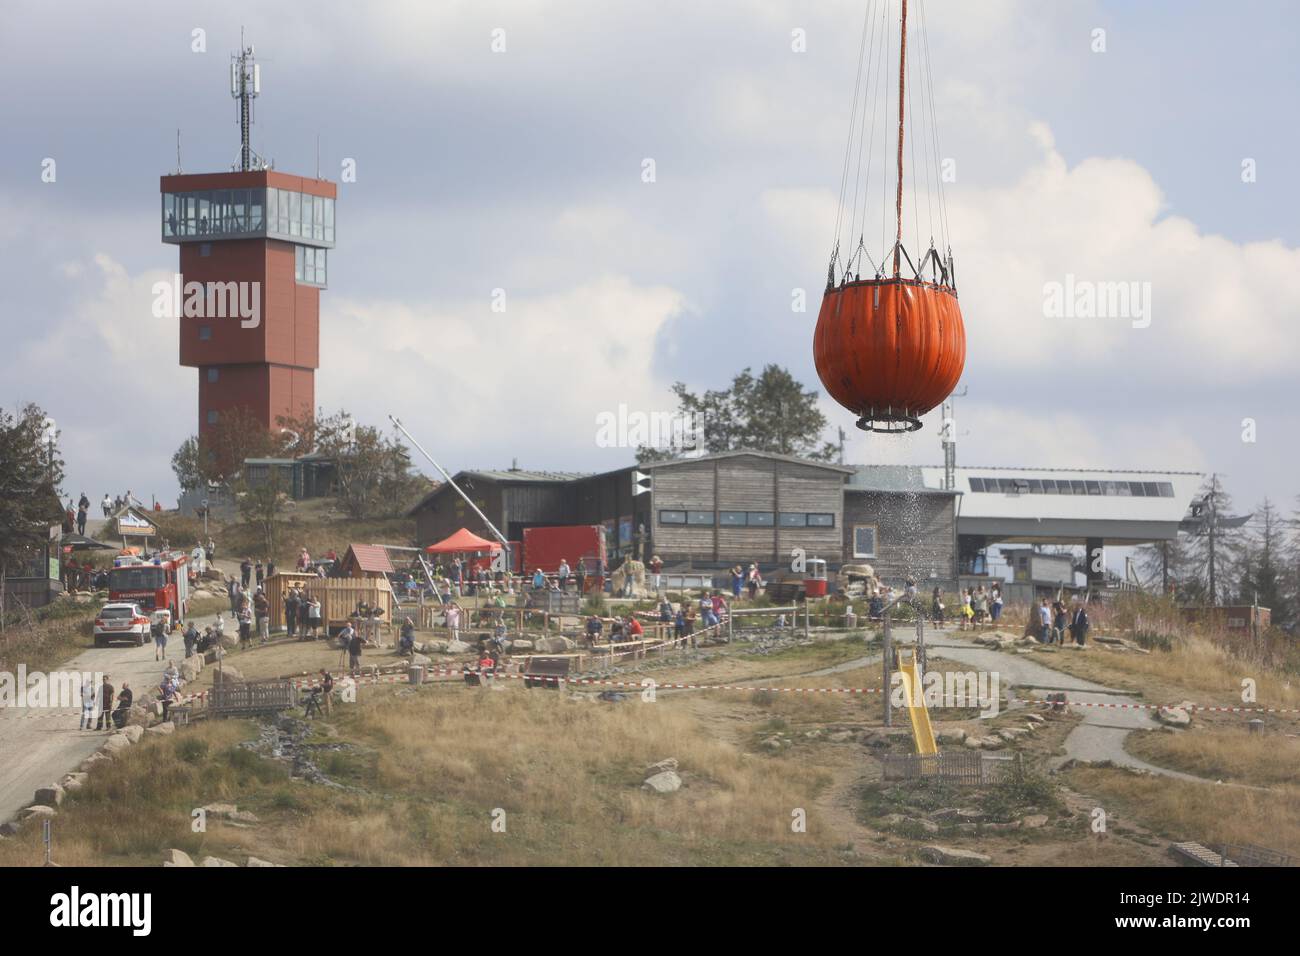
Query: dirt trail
[
  {"x": 38, "y": 746},
  {"x": 1098, "y": 737}
]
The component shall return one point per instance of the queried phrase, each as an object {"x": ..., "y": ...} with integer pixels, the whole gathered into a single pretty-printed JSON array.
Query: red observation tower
[{"x": 254, "y": 247}]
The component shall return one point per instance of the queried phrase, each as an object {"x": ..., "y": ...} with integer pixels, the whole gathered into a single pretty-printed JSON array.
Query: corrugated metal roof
[
  {"x": 897, "y": 479},
  {"x": 525, "y": 475}
]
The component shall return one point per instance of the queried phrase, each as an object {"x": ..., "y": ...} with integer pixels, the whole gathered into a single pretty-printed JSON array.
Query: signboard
[{"x": 130, "y": 523}]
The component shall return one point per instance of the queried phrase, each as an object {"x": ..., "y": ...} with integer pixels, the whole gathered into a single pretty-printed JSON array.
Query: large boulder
[
  {"x": 89, "y": 763},
  {"x": 38, "y": 812},
  {"x": 1174, "y": 716},
  {"x": 50, "y": 796},
  {"x": 665, "y": 782},
  {"x": 142, "y": 712},
  {"x": 190, "y": 668},
  {"x": 456, "y": 647},
  {"x": 73, "y": 781},
  {"x": 216, "y": 861},
  {"x": 115, "y": 744},
  {"x": 133, "y": 732},
  {"x": 176, "y": 857},
  {"x": 227, "y": 673},
  {"x": 520, "y": 644},
  {"x": 953, "y": 856},
  {"x": 553, "y": 645},
  {"x": 162, "y": 730}
]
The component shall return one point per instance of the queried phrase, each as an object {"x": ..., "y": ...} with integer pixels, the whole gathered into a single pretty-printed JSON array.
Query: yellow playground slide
[{"x": 914, "y": 700}]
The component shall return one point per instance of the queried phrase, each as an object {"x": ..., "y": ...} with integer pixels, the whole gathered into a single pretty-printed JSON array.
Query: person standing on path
[
  {"x": 291, "y": 611},
  {"x": 262, "y": 607},
  {"x": 159, "y": 638},
  {"x": 354, "y": 650},
  {"x": 105, "y": 706},
  {"x": 89, "y": 695},
  {"x": 1079, "y": 626},
  {"x": 245, "y": 572},
  {"x": 245, "y": 616}
]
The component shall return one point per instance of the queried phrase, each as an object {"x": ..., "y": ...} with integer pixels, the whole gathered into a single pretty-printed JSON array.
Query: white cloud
[{"x": 487, "y": 385}]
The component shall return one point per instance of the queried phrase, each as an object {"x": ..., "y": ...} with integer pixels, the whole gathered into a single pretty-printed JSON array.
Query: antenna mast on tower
[{"x": 245, "y": 85}]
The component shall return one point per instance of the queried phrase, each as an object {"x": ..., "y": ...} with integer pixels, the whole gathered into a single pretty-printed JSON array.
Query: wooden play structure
[{"x": 338, "y": 597}]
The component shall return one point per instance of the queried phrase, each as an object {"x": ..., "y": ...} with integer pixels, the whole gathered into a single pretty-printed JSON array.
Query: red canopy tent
[{"x": 462, "y": 540}]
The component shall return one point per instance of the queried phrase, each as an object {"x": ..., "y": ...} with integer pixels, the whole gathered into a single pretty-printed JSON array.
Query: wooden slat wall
[
  {"x": 809, "y": 489},
  {"x": 338, "y": 596},
  {"x": 747, "y": 483},
  {"x": 914, "y": 538}
]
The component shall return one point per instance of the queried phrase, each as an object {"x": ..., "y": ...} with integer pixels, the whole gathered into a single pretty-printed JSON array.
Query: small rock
[
  {"x": 227, "y": 674},
  {"x": 163, "y": 729},
  {"x": 216, "y": 861},
  {"x": 1034, "y": 821},
  {"x": 840, "y": 736},
  {"x": 667, "y": 764},
  {"x": 1035, "y": 718},
  {"x": 174, "y": 857},
  {"x": 74, "y": 781},
  {"x": 520, "y": 644},
  {"x": 974, "y": 743},
  {"x": 666, "y": 782},
  {"x": 455, "y": 647},
  {"x": 956, "y": 736},
  {"x": 37, "y": 812},
  {"x": 952, "y": 856},
  {"x": 254, "y": 861}
]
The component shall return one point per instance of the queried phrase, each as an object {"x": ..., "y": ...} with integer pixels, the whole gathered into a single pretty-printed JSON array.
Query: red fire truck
[{"x": 160, "y": 583}]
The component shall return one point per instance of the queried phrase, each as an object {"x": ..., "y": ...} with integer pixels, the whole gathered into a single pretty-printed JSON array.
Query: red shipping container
[{"x": 545, "y": 547}]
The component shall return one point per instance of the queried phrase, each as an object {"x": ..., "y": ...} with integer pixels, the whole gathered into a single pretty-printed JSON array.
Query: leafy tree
[
  {"x": 771, "y": 413},
  {"x": 217, "y": 455},
  {"x": 261, "y": 505},
  {"x": 372, "y": 470},
  {"x": 31, "y": 472}
]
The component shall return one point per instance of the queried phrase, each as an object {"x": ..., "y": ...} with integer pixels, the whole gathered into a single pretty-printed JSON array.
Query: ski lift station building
[{"x": 717, "y": 510}]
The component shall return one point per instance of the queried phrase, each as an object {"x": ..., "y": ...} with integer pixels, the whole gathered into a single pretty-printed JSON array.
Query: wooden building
[
  {"x": 899, "y": 525},
  {"x": 365, "y": 561},
  {"x": 707, "y": 512}
]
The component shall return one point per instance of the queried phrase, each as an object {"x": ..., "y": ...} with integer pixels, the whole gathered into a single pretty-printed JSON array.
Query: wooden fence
[
  {"x": 338, "y": 597},
  {"x": 965, "y": 767},
  {"x": 230, "y": 699}
]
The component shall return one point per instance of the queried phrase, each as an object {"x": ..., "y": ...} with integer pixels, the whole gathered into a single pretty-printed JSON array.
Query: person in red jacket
[{"x": 634, "y": 629}]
